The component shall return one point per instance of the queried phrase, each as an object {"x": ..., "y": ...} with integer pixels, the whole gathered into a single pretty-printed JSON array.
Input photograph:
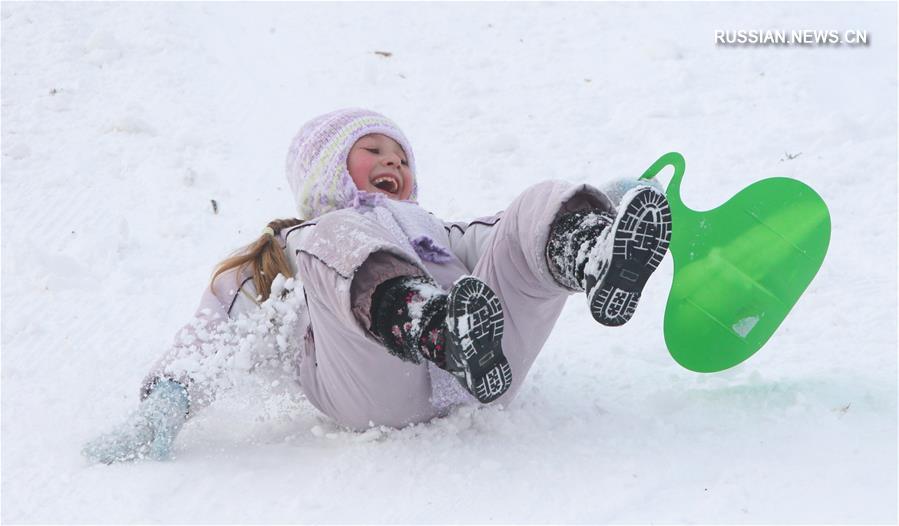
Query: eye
[
  {"x": 375, "y": 151},
  {"x": 405, "y": 162}
]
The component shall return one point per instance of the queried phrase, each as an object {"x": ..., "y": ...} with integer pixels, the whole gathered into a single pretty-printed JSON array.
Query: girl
[{"x": 396, "y": 316}]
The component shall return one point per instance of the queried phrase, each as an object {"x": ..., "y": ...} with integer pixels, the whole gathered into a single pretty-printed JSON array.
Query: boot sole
[
  {"x": 642, "y": 235},
  {"x": 475, "y": 322}
]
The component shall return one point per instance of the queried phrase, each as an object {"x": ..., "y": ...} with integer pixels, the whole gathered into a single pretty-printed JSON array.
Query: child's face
[{"x": 377, "y": 163}]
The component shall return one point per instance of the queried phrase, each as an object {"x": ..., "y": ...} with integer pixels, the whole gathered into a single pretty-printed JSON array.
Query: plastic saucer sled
[{"x": 738, "y": 268}]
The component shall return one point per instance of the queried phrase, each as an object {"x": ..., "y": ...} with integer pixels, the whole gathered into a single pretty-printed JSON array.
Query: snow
[
  {"x": 123, "y": 121},
  {"x": 745, "y": 325}
]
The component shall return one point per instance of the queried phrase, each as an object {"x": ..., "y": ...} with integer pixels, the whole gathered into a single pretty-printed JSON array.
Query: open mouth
[{"x": 387, "y": 183}]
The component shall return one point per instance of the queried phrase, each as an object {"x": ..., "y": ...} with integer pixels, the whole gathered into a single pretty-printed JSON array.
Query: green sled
[{"x": 738, "y": 268}]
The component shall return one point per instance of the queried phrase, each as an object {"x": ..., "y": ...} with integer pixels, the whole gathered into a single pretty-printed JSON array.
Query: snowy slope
[{"x": 122, "y": 121}]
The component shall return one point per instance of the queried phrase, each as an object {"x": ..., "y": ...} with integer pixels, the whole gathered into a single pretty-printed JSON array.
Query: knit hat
[{"x": 317, "y": 160}]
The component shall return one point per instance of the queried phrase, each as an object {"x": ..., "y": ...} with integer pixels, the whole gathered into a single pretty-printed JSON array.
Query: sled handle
[{"x": 676, "y": 161}]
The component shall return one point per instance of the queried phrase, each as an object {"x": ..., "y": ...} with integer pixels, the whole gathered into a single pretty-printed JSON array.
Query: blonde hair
[{"x": 264, "y": 256}]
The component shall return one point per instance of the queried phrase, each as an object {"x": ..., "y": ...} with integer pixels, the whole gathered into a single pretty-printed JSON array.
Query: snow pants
[{"x": 349, "y": 376}]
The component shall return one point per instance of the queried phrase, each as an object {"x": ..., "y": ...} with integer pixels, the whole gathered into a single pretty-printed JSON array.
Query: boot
[
  {"x": 612, "y": 258},
  {"x": 460, "y": 332}
]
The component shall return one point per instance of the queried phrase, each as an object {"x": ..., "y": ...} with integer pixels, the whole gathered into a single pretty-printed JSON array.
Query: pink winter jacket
[
  {"x": 202, "y": 366},
  {"x": 320, "y": 330}
]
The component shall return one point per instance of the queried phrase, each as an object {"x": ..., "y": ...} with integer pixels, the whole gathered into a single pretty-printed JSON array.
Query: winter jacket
[{"x": 338, "y": 259}]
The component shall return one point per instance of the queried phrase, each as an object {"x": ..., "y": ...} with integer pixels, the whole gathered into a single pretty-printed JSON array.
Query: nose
[{"x": 391, "y": 159}]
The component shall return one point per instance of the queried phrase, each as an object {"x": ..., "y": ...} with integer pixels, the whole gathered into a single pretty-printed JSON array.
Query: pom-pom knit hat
[{"x": 317, "y": 160}]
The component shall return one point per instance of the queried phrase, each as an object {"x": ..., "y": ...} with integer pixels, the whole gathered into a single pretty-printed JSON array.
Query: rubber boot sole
[
  {"x": 474, "y": 347},
  {"x": 642, "y": 233}
]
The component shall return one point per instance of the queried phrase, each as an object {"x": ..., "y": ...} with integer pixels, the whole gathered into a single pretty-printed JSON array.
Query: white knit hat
[{"x": 317, "y": 160}]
